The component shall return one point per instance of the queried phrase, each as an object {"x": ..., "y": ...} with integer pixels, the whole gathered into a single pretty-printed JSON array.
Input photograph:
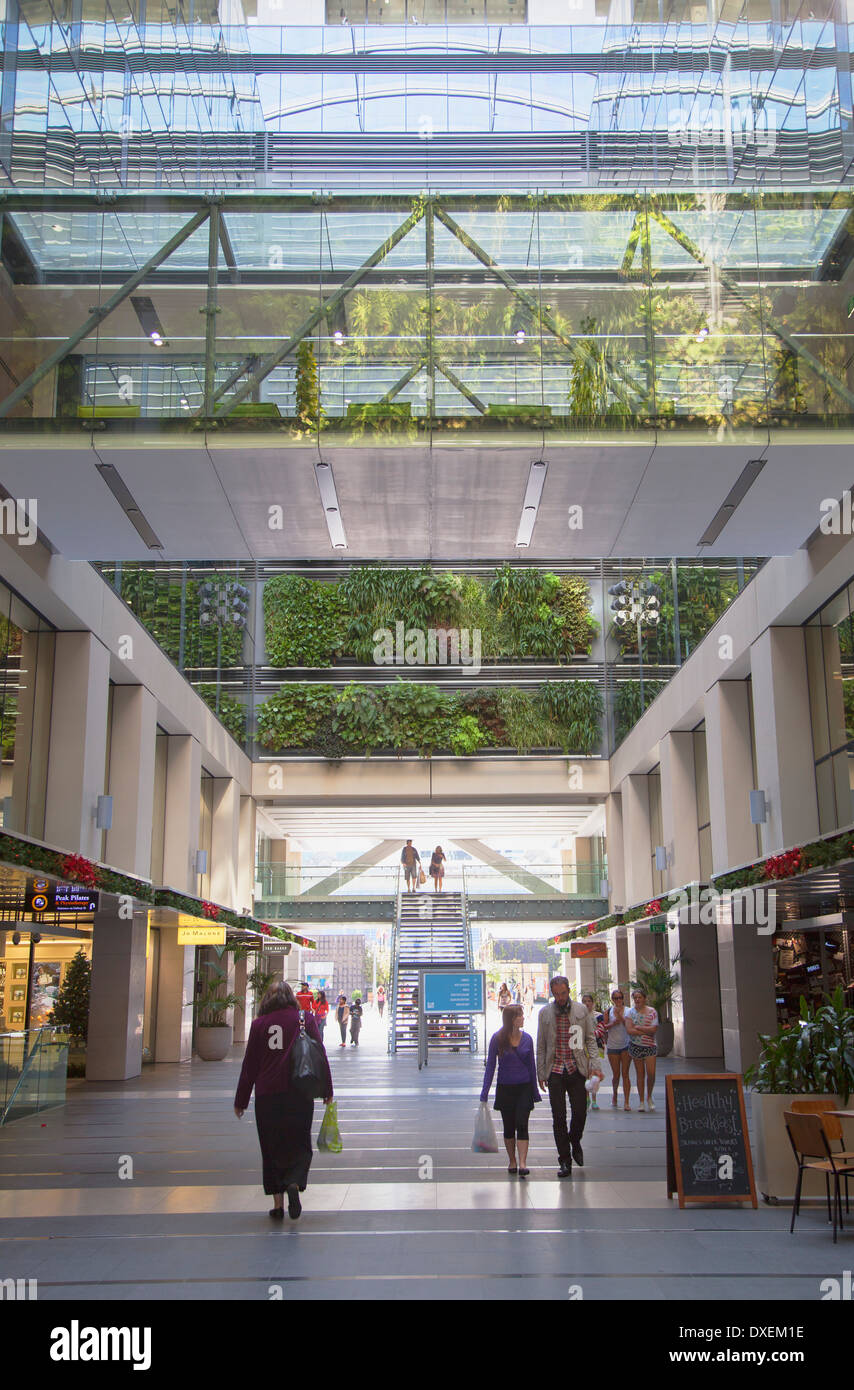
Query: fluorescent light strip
[
  {"x": 745, "y": 480},
  {"x": 120, "y": 491},
  {"x": 531, "y": 504},
  {"x": 331, "y": 510}
]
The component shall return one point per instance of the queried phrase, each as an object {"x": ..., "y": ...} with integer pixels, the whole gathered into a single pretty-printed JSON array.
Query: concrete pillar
[
  {"x": 225, "y": 841},
  {"x": 582, "y": 977},
  {"x": 32, "y": 743},
  {"x": 616, "y": 865},
  {"x": 696, "y": 1007},
  {"x": 246, "y": 856},
  {"x": 242, "y": 1017},
  {"x": 640, "y": 943},
  {"x": 132, "y": 745},
  {"x": 618, "y": 957},
  {"x": 181, "y": 826},
  {"x": 117, "y": 999},
  {"x": 637, "y": 844},
  {"x": 174, "y": 1038},
  {"x": 78, "y": 743},
  {"x": 679, "y": 809},
  {"x": 730, "y": 774},
  {"x": 746, "y": 970},
  {"x": 785, "y": 770}
]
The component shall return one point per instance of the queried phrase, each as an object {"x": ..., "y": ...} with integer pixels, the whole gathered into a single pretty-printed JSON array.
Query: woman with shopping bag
[
  {"x": 283, "y": 1106},
  {"x": 516, "y": 1092}
]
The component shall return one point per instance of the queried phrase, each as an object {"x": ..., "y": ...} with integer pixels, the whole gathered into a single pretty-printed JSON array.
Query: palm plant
[
  {"x": 212, "y": 1001},
  {"x": 659, "y": 983}
]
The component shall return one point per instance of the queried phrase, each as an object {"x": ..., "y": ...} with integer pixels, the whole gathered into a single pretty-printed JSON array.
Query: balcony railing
[
  {"x": 311, "y": 881},
  {"x": 33, "y": 1071}
]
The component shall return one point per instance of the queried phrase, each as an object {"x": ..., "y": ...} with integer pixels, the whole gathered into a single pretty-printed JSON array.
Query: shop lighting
[
  {"x": 531, "y": 504},
  {"x": 104, "y": 813},
  {"x": 758, "y": 808},
  {"x": 331, "y": 510}
]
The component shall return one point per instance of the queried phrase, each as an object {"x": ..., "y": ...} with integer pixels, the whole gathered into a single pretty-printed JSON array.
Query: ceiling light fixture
[
  {"x": 331, "y": 510},
  {"x": 116, "y": 483},
  {"x": 338, "y": 337},
  {"x": 519, "y": 336},
  {"x": 745, "y": 480},
  {"x": 530, "y": 506}
]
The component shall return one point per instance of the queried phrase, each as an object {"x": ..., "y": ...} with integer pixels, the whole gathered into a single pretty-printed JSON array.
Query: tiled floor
[{"x": 407, "y": 1211}]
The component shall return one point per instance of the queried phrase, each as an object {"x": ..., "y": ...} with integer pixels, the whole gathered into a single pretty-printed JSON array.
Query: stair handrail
[
  {"x": 395, "y": 951},
  {"x": 28, "y": 1066},
  {"x": 464, "y": 909}
]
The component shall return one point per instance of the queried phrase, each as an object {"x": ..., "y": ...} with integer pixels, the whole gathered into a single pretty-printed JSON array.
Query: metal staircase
[{"x": 430, "y": 929}]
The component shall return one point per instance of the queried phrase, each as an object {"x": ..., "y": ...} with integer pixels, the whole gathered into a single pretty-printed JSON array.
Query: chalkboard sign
[{"x": 708, "y": 1148}]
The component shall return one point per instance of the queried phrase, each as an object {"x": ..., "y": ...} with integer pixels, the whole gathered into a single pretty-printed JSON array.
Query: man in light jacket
[{"x": 567, "y": 1051}]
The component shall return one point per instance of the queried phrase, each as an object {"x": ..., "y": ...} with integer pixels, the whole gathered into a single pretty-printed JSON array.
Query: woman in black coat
[{"x": 283, "y": 1115}]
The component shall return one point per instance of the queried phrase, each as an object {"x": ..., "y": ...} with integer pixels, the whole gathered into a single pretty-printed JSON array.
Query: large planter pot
[
  {"x": 776, "y": 1170},
  {"x": 213, "y": 1044},
  {"x": 664, "y": 1037}
]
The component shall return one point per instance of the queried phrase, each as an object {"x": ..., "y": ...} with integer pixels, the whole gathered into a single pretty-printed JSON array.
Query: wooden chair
[
  {"x": 808, "y": 1139},
  {"x": 832, "y": 1128}
]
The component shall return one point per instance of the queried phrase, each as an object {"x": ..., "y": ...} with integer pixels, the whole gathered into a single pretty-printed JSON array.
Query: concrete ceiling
[
  {"x": 434, "y": 825},
  {"x": 210, "y": 497}
]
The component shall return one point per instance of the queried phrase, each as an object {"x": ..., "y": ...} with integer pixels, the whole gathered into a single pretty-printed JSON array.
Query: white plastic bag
[{"x": 484, "y": 1141}]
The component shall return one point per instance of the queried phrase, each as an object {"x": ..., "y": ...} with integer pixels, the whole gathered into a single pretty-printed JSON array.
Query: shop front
[{"x": 812, "y": 958}]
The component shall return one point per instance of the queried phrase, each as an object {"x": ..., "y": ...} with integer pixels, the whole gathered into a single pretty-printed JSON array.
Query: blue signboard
[{"x": 453, "y": 992}]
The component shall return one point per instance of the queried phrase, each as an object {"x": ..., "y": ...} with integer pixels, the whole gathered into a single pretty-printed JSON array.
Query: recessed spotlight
[
  {"x": 338, "y": 337},
  {"x": 519, "y": 336}
]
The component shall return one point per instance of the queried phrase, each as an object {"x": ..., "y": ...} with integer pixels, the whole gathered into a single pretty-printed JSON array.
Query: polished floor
[{"x": 150, "y": 1190}]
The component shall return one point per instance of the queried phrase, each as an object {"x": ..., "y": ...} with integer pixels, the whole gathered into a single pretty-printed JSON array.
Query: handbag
[
  {"x": 422, "y": 877},
  {"x": 308, "y": 1064},
  {"x": 329, "y": 1136}
]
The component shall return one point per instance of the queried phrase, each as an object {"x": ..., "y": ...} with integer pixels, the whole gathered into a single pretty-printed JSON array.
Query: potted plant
[
  {"x": 658, "y": 982},
  {"x": 812, "y": 1059},
  {"x": 213, "y": 1031}
]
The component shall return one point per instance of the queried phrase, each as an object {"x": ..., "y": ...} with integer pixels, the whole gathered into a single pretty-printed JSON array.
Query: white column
[
  {"x": 174, "y": 1037},
  {"x": 730, "y": 762},
  {"x": 181, "y": 829},
  {"x": 246, "y": 855},
  {"x": 132, "y": 745},
  {"x": 637, "y": 843},
  {"x": 785, "y": 769},
  {"x": 78, "y": 742},
  {"x": 242, "y": 1016},
  {"x": 618, "y": 957},
  {"x": 641, "y": 946},
  {"x": 696, "y": 1008},
  {"x": 614, "y": 840},
  {"x": 746, "y": 965},
  {"x": 679, "y": 809},
  {"x": 225, "y": 841},
  {"x": 117, "y": 998},
  {"x": 29, "y": 775}
]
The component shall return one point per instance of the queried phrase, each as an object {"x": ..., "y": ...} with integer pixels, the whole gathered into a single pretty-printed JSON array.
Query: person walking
[
  {"x": 567, "y": 1052},
  {"x": 321, "y": 1012},
  {"x": 437, "y": 868},
  {"x": 342, "y": 1013},
  {"x": 617, "y": 1048},
  {"x": 516, "y": 1091},
  {"x": 380, "y": 999},
  {"x": 355, "y": 1020},
  {"x": 642, "y": 1026},
  {"x": 590, "y": 1005},
  {"x": 505, "y": 998},
  {"x": 283, "y": 1114},
  {"x": 305, "y": 998},
  {"x": 411, "y": 861}
]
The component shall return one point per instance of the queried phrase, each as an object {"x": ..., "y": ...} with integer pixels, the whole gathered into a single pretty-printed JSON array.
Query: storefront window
[{"x": 809, "y": 964}]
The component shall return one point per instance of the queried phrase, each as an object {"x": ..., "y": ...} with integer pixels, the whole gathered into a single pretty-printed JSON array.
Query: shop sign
[
  {"x": 203, "y": 934},
  {"x": 62, "y": 898},
  {"x": 587, "y": 950}
]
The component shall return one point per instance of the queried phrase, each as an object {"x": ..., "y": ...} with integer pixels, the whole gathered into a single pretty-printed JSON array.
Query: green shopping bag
[{"x": 329, "y": 1138}]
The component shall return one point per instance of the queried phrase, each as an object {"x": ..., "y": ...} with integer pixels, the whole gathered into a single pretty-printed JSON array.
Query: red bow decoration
[
  {"x": 210, "y": 910},
  {"x": 654, "y": 906},
  {"x": 783, "y": 865}
]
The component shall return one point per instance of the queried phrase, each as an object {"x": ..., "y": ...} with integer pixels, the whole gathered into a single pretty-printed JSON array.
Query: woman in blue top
[{"x": 517, "y": 1092}]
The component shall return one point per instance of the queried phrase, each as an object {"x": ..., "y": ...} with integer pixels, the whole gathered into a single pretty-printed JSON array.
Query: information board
[
  {"x": 454, "y": 992},
  {"x": 708, "y": 1148},
  {"x": 43, "y": 896}
]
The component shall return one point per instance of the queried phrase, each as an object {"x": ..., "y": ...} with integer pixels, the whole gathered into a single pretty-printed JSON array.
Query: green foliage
[
  {"x": 416, "y": 716},
  {"x": 627, "y": 704},
  {"x": 588, "y": 382},
  {"x": 212, "y": 1000},
  {"x": 527, "y": 727},
  {"x": 231, "y": 712},
  {"x": 574, "y": 708},
  {"x": 303, "y": 621},
  {"x": 482, "y": 705},
  {"x": 292, "y": 716},
  {"x": 359, "y": 719},
  {"x": 155, "y": 599},
  {"x": 572, "y": 605},
  {"x": 658, "y": 983},
  {"x": 467, "y": 737},
  {"x": 815, "y": 1056},
  {"x": 71, "y": 1010},
  {"x": 307, "y": 387},
  {"x": 540, "y": 614}
]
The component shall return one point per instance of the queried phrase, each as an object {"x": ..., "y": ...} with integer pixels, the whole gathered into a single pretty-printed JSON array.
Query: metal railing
[
  {"x": 308, "y": 881},
  {"x": 33, "y": 1072}
]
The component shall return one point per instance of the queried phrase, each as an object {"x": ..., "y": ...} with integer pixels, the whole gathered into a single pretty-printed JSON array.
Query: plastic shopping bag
[
  {"x": 329, "y": 1137},
  {"x": 484, "y": 1141}
]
